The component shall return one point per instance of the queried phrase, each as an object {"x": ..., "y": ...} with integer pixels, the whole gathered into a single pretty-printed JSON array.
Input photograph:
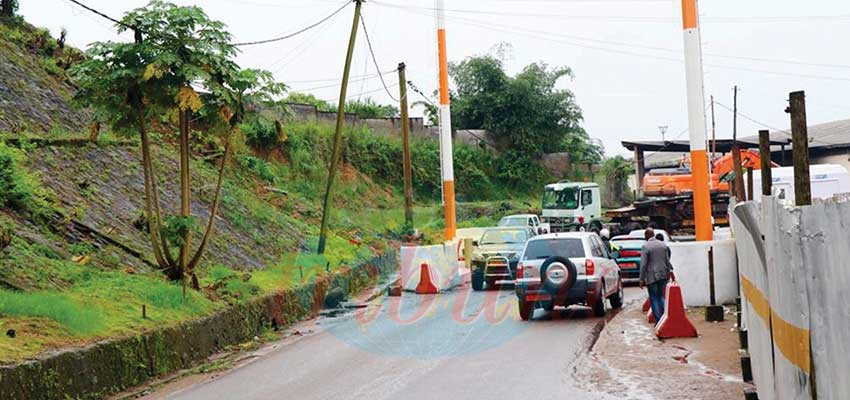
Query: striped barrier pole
[{"x": 446, "y": 158}]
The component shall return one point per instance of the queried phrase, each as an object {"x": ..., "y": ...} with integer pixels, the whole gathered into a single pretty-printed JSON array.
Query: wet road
[{"x": 462, "y": 344}]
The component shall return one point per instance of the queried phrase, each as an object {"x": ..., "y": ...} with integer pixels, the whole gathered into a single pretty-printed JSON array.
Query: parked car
[
  {"x": 626, "y": 251},
  {"x": 496, "y": 255},
  {"x": 638, "y": 233},
  {"x": 529, "y": 220},
  {"x": 562, "y": 269}
]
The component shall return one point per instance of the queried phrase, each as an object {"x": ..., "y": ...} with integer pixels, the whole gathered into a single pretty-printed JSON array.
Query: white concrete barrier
[
  {"x": 442, "y": 262},
  {"x": 795, "y": 281},
  {"x": 690, "y": 263}
]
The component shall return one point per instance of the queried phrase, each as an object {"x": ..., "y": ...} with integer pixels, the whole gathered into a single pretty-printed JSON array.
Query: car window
[
  {"x": 586, "y": 197},
  {"x": 545, "y": 248},
  {"x": 504, "y": 237},
  {"x": 512, "y": 221},
  {"x": 596, "y": 247}
]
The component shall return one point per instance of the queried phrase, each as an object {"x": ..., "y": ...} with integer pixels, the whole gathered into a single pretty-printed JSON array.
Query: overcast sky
[{"x": 625, "y": 54}]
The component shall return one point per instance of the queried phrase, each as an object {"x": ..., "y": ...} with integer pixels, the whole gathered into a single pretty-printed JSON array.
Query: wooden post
[
  {"x": 405, "y": 135},
  {"x": 750, "y": 183},
  {"x": 739, "y": 172},
  {"x": 340, "y": 120},
  {"x": 764, "y": 150},
  {"x": 640, "y": 170},
  {"x": 800, "y": 148}
]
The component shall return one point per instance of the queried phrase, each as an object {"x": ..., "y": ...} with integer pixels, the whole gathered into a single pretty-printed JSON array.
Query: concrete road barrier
[
  {"x": 445, "y": 269},
  {"x": 690, "y": 263}
]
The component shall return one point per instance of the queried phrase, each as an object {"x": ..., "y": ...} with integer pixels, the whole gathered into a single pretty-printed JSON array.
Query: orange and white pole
[
  {"x": 696, "y": 119},
  {"x": 446, "y": 159}
]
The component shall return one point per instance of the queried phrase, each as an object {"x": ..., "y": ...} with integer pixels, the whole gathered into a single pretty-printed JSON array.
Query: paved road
[{"x": 463, "y": 344}]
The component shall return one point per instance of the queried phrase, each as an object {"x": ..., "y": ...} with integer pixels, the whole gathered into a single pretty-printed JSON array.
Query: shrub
[{"x": 260, "y": 132}]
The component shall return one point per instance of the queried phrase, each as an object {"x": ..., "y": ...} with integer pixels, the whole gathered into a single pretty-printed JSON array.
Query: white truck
[
  {"x": 826, "y": 180},
  {"x": 572, "y": 206}
]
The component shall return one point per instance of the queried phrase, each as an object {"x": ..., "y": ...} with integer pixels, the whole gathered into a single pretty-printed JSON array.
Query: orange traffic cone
[
  {"x": 650, "y": 317},
  {"x": 425, "y": 285},
  {"x": 675, "y": 322},
  {"x": 646, "y": 305}
]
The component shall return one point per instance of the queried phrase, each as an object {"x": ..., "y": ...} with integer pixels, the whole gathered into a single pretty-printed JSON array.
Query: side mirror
[
  {"x": 475, "y": 243},
  {"x": 540, "y": 231},
  {"x": 615, "y": 254}
]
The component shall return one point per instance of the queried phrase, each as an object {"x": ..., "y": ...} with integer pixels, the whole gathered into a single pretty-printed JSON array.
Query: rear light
[
  {"x": 589, "y": 267},
  {"x": 519, "y": 271},
  {"x": 629, "y": 253},
  {"x": 581, "y": 220}
]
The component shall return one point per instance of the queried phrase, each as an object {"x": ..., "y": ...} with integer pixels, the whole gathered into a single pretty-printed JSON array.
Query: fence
[{"x": 795, "y": 282}]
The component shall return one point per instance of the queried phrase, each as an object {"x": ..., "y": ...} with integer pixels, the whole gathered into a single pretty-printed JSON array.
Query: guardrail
[{"x": 795, "y": 281}]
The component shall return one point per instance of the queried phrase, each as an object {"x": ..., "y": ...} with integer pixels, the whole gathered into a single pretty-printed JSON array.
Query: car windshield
[
  {"x": 565, "y": 199},
  {"x": 513, "y": 221},
  {"x": 545, "y": 248},
  {"x": 504, "y": 237}
]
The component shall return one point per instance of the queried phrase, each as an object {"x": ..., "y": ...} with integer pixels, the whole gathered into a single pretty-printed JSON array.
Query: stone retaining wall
[{"x": 107, "y": 367}]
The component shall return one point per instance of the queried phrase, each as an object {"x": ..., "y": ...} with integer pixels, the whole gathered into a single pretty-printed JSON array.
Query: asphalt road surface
[{"x": 458, "y": 345}]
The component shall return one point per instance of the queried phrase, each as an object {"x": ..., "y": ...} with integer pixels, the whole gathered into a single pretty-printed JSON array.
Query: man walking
[{"x": 655, "y": 271}]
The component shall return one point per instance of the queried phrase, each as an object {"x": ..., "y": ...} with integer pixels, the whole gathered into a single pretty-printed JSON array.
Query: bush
[
  {"x": 18, "y": 189},
  {"x": 261, "y": 133},
  {"x": 258, "y": 166}
]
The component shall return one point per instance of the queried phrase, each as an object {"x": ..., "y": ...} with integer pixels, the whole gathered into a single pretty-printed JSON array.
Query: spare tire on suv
[{"x": 558, "y": 274}]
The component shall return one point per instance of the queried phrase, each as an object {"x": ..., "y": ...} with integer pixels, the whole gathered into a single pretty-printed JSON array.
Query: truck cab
[{"x": 572, "y": 206}]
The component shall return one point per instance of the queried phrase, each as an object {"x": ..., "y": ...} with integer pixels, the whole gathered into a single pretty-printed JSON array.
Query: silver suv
[{"x": 562, "y": 269}]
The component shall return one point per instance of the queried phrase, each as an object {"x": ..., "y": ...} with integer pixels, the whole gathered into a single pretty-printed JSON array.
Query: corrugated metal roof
[{"x": 835, "y": 134}]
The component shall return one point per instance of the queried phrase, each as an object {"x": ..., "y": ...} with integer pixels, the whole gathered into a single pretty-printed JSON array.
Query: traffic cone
[
  {"x": 646, "y": 305},
  {"x": 674, "y": 323},
  {"x": 425, "y": 285}
]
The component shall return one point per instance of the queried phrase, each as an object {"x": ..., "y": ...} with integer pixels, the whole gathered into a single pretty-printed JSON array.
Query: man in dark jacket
[{"x": 655, "y": 271}]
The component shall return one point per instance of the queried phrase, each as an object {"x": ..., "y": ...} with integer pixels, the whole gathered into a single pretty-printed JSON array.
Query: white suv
[{"x": 562, "y": 269}]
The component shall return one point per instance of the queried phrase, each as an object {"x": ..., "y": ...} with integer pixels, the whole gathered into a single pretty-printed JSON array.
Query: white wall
[{"x": 690, "y": 263}]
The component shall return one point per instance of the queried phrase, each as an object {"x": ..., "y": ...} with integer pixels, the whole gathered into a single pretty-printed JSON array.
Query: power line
[
  {"x": 375, "y": 60},
  {"x": 128, "y": 26},
  {"x": 300, "y": 31}
]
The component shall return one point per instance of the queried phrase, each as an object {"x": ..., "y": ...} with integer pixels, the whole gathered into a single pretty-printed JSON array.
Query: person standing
[{"x": 655, "y": 271}]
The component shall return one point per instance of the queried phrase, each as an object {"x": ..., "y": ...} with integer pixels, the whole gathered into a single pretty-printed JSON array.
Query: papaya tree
[{"x": 177, "y": 53}]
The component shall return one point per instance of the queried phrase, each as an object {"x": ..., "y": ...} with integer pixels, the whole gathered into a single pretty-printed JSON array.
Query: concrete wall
[
  {"x": 95, "y": 371},
  {"x": 381, "y": 126},
  {"x": 690, "y": 263},
  {"x": 795, "y": 280}
]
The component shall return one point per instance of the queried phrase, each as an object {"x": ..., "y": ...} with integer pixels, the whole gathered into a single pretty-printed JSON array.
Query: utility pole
[
  {"x": 340, "y": 119},
  {"x": 713, "y": 140},
  {"x": 663, "y": 130},
  {"x": 696, "y": 120},
  {"x": 405, "y": 136},
  {"x": 764, "y": 155},
  {"x": 446, "y": 158},
  {"x": 736, "y": 150},
  {"x": 800, "y": 148}
]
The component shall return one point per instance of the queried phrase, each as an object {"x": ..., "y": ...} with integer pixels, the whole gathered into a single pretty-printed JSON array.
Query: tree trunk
[
  {"x": 7, "y": 8},
  {"x": 153, "y": 221},
  {"x": 216, "y": 202},
  {"x": 185, "y": 195},
  {"x": 94, "y": 131}
]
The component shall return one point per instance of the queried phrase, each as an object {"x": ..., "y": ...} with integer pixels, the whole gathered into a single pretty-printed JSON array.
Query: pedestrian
[{"x": 655, "y": 271}]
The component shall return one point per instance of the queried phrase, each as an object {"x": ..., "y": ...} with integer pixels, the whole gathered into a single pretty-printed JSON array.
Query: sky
[{"x": 626, "y": 55}]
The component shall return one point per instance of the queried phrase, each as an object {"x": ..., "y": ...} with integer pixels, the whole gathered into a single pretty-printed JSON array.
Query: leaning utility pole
[
  {"x": 446, "y": 159},
  {"x": 340, "y": 119},
  {"x": 405, "y": 137},
  {"x": 800, "y": 148},
  {"x": 696, "y": 120},
  {"x": 736, "y": 151}
]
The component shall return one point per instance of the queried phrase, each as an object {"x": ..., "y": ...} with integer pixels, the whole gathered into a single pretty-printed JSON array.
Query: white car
[
  {"x": 638, "y": 233},
  {"x": 562, "y": 269},
  {"x": 529, "y": 220}
]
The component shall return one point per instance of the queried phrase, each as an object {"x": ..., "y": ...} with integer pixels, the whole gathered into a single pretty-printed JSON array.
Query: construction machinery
[{"x": 667, "y": 200}]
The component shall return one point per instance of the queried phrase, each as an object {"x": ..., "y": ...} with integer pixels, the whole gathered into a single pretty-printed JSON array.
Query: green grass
[{"x": 75, "y": 316}]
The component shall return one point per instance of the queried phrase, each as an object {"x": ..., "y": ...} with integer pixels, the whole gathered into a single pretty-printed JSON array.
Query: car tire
[
  {"x": 599, "y": 306},
  {"x": 477, "y": 282},
  {"x": 562, "y": 281},
  {"x": 617, "y": 298},
  {"x": 526, "y": 310}
]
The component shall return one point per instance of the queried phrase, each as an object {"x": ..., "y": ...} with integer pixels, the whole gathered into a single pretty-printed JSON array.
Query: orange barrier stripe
[
  {"x": 702, "y": 201},
  {"x": 449, "y": 198},
  {"x": 793, "y": 342},
  {"x": 444, "y": 72},
  {"x": 689, "y": 14}
]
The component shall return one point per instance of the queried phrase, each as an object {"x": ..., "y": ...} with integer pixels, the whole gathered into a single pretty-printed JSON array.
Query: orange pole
[{"x": 446, "y": 158}]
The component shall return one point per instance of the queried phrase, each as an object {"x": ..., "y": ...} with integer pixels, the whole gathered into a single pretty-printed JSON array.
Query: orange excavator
[
  {"x": 678, "y": 181},
  {"x": 668, "y": 196}
]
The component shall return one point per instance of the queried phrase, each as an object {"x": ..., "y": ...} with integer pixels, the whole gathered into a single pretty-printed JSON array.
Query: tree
[
  {"x": 367, "y": 108},
  {"x": 309, "y": 99},
  {"x": 176, "y": 50},
  {"x": 617, "y": 171},
  {"x": 525, "y": 113},
  {"x": 8, "y": 8}
]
